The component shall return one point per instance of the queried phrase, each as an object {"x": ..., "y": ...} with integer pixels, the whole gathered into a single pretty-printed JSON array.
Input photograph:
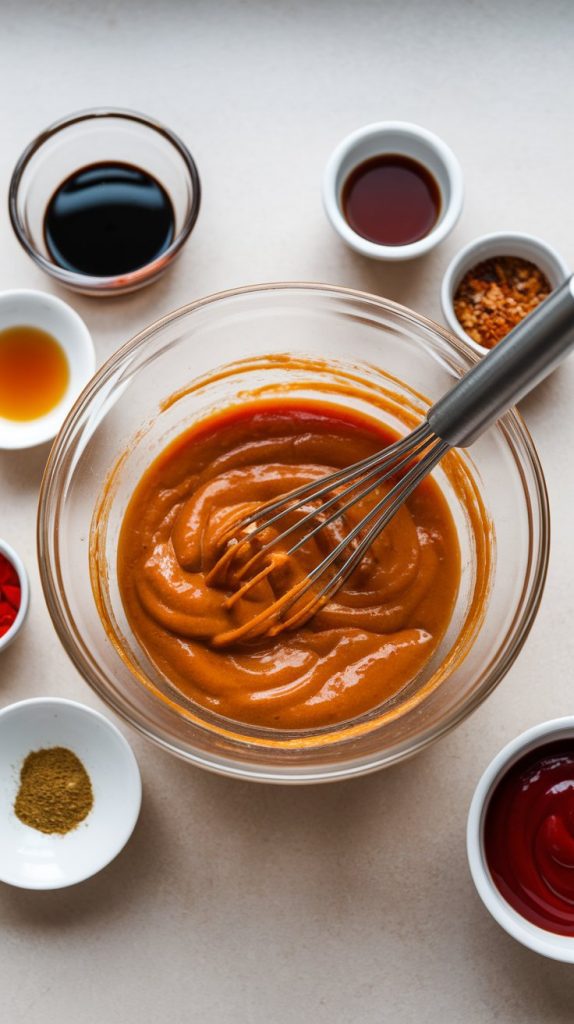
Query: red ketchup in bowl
[{"x": 529, "y": 836}]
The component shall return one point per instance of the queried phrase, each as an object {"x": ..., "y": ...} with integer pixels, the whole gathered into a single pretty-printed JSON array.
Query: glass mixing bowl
[{"x": 169, "y": 376}]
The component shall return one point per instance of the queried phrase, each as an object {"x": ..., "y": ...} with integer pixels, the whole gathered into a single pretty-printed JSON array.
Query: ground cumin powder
[{"x": 55, "y": 791}]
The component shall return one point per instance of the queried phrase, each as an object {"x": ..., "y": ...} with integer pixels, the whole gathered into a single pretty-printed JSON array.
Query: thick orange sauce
[{"x": 369, "y": 642}]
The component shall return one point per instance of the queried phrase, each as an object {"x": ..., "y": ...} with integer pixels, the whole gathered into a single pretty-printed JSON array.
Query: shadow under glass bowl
[
  {"x": 140, "y": 400},
  {"x": 102, "y": 135}
]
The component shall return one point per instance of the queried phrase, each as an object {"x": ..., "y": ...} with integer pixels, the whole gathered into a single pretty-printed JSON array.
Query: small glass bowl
[
  {"x": 173, "y": 374},
  {"x": 95, "y": 136}
]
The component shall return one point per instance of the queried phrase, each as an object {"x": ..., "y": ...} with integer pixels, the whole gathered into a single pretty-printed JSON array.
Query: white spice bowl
[
  {"x": 547, "y": 943},
  {"x": 499, "y": 243},
  {"x": 24, "y": 307},
  {"x": 404, "y": 139},
  {"x": 30, "y": 859}
]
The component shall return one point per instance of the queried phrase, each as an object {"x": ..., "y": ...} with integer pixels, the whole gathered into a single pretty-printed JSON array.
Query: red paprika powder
[{"x": 10, "y": 594}]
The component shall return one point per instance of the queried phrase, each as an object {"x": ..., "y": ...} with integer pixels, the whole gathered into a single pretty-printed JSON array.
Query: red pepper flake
[
  {"x": 10, "y": 594},
  {"x": 8, "y": 573},
  {"x": 496, "y": 295}
]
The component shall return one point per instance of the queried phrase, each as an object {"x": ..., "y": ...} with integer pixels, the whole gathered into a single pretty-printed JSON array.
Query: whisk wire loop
[
  {"x": 422, "y": 453},
  {"x": 359, "y": 477},
  {"x": 411, "y": 444},
  {"x": 385, "y": 509}
]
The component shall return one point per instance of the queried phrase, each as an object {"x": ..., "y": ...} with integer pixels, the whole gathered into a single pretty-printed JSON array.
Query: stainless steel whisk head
[
  {"x": 500, "y": 379},
  {"x": 330, "y": 499}
]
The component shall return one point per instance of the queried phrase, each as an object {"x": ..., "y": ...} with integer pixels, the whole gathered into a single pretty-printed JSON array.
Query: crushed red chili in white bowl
[
  {"x": 496, "y": 294},
  {"x": 496, "y": 281}
]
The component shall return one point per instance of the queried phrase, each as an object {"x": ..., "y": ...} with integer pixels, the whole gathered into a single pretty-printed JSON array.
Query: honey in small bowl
[{"x": 34, "y": 373}]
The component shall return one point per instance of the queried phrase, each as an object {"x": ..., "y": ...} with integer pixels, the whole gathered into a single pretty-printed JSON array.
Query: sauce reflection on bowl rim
[
  {"x": 547, "y": 943},
  {"x": 338, "y": 380}
]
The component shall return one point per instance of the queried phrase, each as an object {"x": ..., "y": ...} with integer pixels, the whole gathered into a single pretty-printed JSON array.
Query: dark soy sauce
[
  {"x": 108, "y": 219},
  {"x": 391, "y": 200}
]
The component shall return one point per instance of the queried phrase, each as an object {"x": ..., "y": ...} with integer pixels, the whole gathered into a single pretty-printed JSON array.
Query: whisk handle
[{"x": 508, "y": 372}]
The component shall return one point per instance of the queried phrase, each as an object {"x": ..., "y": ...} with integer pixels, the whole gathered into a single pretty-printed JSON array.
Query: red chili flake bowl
[{"x": 14, "y": 594}]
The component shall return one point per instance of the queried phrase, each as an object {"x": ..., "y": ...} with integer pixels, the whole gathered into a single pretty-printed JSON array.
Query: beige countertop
[{"x": 349, "y": 903}]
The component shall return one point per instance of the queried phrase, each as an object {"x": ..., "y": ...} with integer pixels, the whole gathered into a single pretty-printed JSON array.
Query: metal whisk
[{"x": 507, "y": 373}]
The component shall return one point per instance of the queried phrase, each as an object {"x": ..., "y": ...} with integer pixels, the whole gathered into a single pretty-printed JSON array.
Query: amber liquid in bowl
[{"x": 34, "y": 373}]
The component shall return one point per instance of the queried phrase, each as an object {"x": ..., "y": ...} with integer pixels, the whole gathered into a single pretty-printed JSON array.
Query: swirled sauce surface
[
  {"x": 360, "y": 649},
  {"x": 529, "y": 837}
]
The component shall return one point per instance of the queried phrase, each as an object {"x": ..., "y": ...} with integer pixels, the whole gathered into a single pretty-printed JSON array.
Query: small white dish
[
  {"x": 16, "y": 561},
  {"x": 24, "y": 307},
  {"x": 31, "y": 859},
  {"x": 498, "y": 243},
  {"x": 556, "y": 947},
  {"x": 405, "y": 139}
]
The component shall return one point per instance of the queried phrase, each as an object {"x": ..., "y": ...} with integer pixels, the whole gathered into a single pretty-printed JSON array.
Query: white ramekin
[
  {"x": 30, "y": 859},
  {"x": 408, "y": 140},
  {"x": 26, "y": 307},
  {"x": 498, "y": 243},
  {"x": 557, "y": 947},
  {"x": 14, "y": 558}
]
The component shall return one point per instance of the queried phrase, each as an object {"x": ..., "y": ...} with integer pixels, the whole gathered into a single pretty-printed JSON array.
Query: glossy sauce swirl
[
  {"x": 529, "y": 837},
  {"x": 360, "y": 649}
]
